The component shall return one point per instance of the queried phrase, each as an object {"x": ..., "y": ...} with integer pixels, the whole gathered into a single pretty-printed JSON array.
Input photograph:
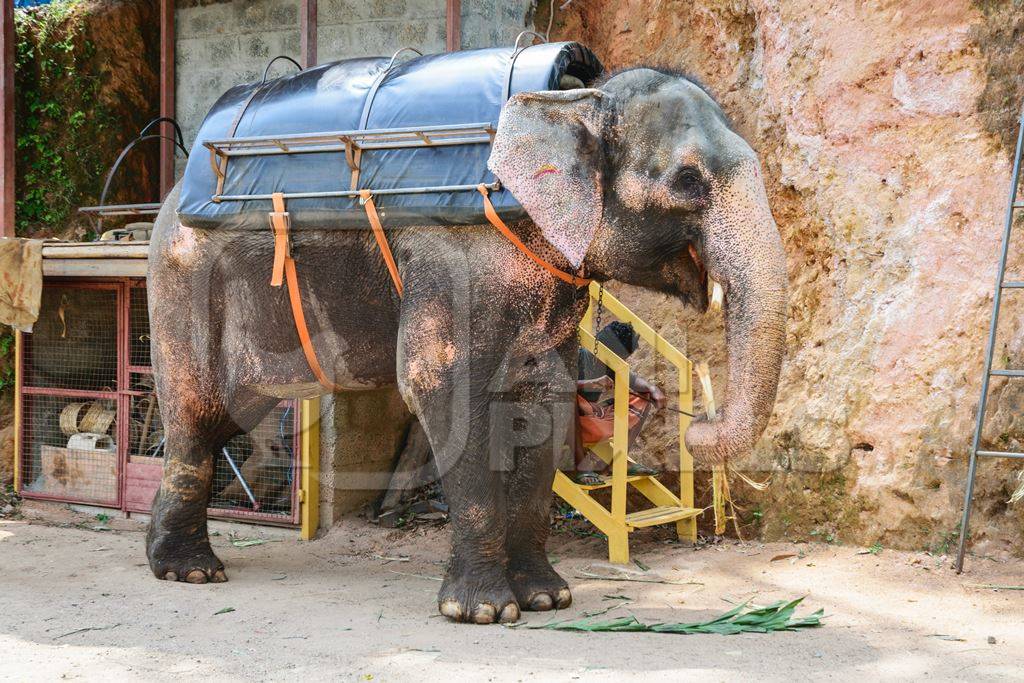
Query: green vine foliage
[
  {"x": 6, "y": 359},
  {"x": 60, "y": 119}
]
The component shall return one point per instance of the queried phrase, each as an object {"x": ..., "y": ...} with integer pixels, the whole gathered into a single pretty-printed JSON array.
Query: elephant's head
[{"x": 643, "y": 180}]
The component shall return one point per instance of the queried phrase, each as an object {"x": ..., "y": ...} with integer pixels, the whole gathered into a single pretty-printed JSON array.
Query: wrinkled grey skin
[{"x": 640, "y": 180}]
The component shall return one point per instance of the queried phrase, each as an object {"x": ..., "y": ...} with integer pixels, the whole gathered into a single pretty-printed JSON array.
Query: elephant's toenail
[
  {"x": 451, "y": 609},
  {"x": 564, "y": 598},
  {"x": 196, "y": 576},
  {"x": 170, "y": 576},
  {"x": 484, "y": 614},
  {"x": 510, "y": 614},
  {"x": 541, "y": 602},
  {"x": 219, "y": 576}
]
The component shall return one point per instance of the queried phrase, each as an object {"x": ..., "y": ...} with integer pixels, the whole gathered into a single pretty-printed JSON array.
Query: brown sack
[{"x": 21, "y": 282}]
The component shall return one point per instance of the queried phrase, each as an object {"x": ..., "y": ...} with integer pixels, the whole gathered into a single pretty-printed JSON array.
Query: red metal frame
[
  {"x": 7, "y": 151},
  {"x": 307, "y": 32},
  {"x": 453, "y": 25},
  {"x": 167, "y": 105},
  {"x": 123, "y": 395},
  {"x": 74, "y": 393}
]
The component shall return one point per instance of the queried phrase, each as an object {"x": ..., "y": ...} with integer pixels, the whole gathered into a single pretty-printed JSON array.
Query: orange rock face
[{"x": 885, "y": 130}]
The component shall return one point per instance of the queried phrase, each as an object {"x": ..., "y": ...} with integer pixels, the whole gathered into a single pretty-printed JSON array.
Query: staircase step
[
  {"x": 660, "y": 515},
  {"x": 606, "y": 482}
]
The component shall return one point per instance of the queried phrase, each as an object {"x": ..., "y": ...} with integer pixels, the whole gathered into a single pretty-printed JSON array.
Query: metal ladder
[{"x": 1011, "y": 207}]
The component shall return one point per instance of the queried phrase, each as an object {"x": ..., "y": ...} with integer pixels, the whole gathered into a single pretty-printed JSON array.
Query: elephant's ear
[{"x": 549, "y": 151}]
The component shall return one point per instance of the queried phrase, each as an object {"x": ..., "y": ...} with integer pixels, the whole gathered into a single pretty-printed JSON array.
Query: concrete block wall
[
  {"x": 352, "y": 28},
  {"x": 221, "y": 43},
  {"x": 489, "y": 23},
  {"x": 361, "y": 434}
]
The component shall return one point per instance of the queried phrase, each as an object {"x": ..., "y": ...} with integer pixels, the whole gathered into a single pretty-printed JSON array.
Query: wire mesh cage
[
  {"x": 69, "y": 396},
  {"x": 265, "y": 459},
  {"x": 138, "y": 327},
  {"x": 90, "y": 426},
  {"x": 73, "y": 345},
  {"x": 64, "y": 463}
]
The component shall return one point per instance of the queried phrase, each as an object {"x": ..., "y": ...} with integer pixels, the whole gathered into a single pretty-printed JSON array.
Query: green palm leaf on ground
[{"x": 778, "y": 616}]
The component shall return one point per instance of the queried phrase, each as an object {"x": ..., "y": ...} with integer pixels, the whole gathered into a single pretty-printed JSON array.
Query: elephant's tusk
[
  {"x": 716, "y": 296},
  {"x": 707, "y": 396}
]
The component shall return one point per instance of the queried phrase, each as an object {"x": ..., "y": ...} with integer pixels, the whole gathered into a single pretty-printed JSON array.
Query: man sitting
[{"x": 594, "y": 418}]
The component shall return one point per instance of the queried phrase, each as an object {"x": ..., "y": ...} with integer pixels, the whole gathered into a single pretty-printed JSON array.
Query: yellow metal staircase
[{"x": 667, "y": 507}]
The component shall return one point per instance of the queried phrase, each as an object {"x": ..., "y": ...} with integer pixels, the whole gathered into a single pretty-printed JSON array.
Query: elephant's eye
[{"x": 689, "y": 180}]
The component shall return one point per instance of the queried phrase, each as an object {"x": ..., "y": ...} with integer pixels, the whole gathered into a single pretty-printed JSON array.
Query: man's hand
[
  {"x": 602, "y": 384},
  {"x": 651, "y": 391},
  {"x": 657, "y": 396}
]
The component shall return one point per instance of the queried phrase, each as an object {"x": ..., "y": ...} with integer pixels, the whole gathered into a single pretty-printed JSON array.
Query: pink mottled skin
[{"x": 640, "y": 180}]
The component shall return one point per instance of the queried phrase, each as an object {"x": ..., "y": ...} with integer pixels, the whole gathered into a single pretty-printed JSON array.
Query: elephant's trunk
[{"x": 743, "y": 250}]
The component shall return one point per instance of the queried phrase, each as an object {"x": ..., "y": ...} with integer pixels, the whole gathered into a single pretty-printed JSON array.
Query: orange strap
[
  {"x": 496, "y": 221},
  {"x": 300, "y": 326},
  {"x": 382, "y": 240},
  {"x": 279, "y": 222},
  {"x": 284, "y": 265}
]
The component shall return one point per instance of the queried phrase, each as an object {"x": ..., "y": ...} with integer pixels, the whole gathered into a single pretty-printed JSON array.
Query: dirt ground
[{"x": 359, "y": 604}]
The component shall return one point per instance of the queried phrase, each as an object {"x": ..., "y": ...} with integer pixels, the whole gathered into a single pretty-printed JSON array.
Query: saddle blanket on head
[{"x": 236, "y": 164}]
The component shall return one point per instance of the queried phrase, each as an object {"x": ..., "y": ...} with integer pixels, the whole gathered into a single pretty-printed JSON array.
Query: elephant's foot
[
  {"x": 192, "y": 562},
  {"x": 179, "y": 551},
  {"x": 538, "y": 587},
  {"x": 479, "y": 595}
]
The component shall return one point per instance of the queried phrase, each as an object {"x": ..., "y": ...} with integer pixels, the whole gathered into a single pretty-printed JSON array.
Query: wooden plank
[
  {"x": 7, "y": 151},
  {"x": 78, "y": 473},
  {"x": 453, "y": 25},
  {"x": 308, "y": 32},
  {"x": 167, "y": 107},
  {"x": 98, "y": 250},
  {"x": 134, "y": 267},
  {"x": 659, "y": 515},
  {"x": 92, "y": 245}
]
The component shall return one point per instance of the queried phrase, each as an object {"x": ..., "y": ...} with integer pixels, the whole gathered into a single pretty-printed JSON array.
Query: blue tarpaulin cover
[{"x": 442, "y": 89}]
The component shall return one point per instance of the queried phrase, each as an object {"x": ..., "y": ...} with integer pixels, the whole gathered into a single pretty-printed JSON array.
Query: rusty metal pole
[
  {"x": 307, "y": 32},
  {"x": 453, "y": 25},
  {"x": 7, "y": 147},
  {"x": 167, "y": 39}
]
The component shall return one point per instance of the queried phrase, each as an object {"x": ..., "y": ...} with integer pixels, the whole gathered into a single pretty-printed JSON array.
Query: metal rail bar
[
  {"x": 272, "y": 149},
  {"x": 494, "y": 187},
  {"x": 123, "y": 209},
  {"x": 1000, "y": 454},
  {"x": 972, "y": 468},
  {"x": 1007, "y": 373},
  {"x": 241, "y": 479},
  {"x": 356, "y": 135}
]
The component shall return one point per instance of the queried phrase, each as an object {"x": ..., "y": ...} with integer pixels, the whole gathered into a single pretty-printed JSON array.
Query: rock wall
[
  {"x": 885, "y": 130},
  {"x": 85, "y": 84}
]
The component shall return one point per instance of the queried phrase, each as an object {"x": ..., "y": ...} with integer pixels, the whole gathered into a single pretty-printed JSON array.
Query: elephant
[{"x": 639, "y": 178}]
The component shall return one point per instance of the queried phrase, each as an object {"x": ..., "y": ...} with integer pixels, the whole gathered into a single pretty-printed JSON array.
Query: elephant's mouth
[{"x": 703, "y": 298}]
